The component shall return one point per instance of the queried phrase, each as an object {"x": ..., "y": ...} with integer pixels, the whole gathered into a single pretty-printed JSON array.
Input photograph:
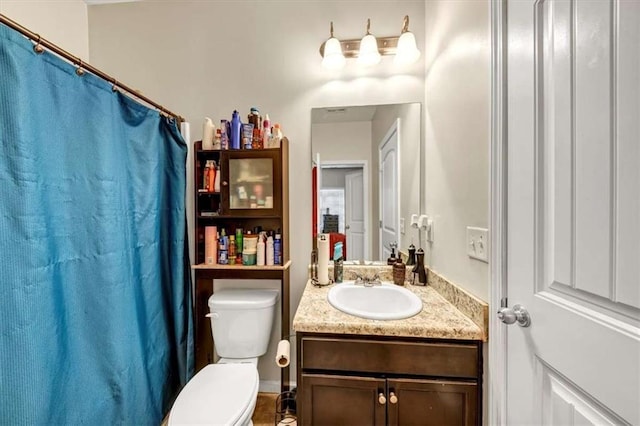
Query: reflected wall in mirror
[{"x": 367, "y": 177}]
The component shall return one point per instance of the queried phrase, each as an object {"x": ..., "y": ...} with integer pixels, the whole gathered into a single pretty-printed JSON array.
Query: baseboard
[{"x": 272, "y": 386}]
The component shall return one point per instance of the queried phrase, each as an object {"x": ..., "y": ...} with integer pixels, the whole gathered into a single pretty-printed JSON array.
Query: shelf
[
  {"x": 208, "y": 193},
  {"x": 217, "y": 151},
  {"x": 244, "y": 267},
  {"x": 239, "y": 217}
]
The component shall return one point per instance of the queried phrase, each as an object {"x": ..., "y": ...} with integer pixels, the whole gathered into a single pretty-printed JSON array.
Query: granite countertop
[{"x": 438, "y": 318}]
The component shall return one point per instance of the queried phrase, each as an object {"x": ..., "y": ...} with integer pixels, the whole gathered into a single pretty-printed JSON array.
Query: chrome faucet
[{"x": 367, "y": 281}]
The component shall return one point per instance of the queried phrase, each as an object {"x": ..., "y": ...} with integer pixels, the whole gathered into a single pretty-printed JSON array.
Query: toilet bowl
[{"x": 225, "y": 393}]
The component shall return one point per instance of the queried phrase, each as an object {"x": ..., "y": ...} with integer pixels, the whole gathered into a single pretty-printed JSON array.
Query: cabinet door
[
  {"x": 341, "y": 400},
  {"x": 432, "y": 402},
  {"x": 251, "y": 183}
]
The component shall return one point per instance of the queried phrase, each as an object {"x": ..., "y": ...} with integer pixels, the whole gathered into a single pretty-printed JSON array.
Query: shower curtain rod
[{"x": 41, "y": 42}]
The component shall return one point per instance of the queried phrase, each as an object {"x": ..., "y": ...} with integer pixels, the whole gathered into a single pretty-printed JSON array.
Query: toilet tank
[{"x": 241, "y": 321}]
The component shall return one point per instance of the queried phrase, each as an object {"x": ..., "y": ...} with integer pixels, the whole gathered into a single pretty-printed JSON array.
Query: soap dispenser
[
  {"x": 392, "y": 257},
  {"x": 399, "y": 271}
]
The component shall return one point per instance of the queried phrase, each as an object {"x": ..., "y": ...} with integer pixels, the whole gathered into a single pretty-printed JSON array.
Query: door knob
[
  {"x": 381, "y": 399},
  {"x": 347, "y": 227},
  {"x": 516, "y": 314},
  {"x": 393, "y": 398}
]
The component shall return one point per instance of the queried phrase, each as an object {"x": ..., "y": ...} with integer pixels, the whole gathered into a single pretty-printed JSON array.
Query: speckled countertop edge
[{"x": 438, "y": 318}]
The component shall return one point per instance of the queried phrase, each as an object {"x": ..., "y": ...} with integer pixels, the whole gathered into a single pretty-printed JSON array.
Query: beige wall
[
  {"x": 207, "y": 58},
  {"x": 457, "y": 119},
  {"x": 63, "y": 22}
]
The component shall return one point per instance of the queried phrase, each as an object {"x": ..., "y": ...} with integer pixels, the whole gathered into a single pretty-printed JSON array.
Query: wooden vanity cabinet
[{"x": 377, "y": 380}]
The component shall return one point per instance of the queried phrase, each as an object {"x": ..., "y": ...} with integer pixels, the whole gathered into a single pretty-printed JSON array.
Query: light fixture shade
[
  {"x": 368, "y": 54},
  {"x": 407, "y": 51},
  {"x": 333, "y": 58}
]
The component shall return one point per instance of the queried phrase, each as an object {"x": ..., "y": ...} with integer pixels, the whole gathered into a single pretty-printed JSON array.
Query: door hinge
[{"x": 504, "y": 302}]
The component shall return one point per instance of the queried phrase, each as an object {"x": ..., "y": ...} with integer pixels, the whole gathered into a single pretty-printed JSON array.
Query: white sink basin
[{"x": 379, "y": 302}]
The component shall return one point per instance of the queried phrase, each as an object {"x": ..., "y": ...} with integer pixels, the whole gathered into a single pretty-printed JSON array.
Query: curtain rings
[
  {"x": 37, "y": 48},
  {"x": 79, "y": 70},
  {"x": 114, "y": 85}
]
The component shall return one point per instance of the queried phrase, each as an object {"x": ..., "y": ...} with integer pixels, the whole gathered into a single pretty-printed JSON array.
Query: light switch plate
[
  {"x": 478, "y": 243},
  {"x": 402, "y": 225}
]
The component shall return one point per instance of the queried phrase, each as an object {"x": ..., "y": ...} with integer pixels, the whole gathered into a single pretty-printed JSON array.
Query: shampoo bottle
[{"x": 236, "y": 129}]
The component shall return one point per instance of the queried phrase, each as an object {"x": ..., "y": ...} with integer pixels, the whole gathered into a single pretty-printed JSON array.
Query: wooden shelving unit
[{"x": 276, "y": 217}]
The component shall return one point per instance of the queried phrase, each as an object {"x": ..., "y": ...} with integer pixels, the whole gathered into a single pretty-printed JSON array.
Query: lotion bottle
[
  {"x": 261, "y": 250},
  {"x": 269, "y": 250}
]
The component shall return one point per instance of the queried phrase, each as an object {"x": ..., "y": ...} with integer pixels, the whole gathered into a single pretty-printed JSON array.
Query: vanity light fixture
[
  {"x": 369, "y": 49},
  {"x": 332, "y": 57},
  {"x": 368, "y": 53}
]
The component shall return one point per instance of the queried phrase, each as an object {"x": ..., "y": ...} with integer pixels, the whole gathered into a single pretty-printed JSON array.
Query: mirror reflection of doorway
[
  {"x": 388, "y": 186},
  {"x": 343, "y": 200}
]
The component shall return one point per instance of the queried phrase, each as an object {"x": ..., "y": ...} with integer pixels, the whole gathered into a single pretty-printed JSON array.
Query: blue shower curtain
[{"x": 95, "y": 313}]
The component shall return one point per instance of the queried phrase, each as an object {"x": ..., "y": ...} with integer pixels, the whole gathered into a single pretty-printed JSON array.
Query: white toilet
[{"x": 225, "y": 393}]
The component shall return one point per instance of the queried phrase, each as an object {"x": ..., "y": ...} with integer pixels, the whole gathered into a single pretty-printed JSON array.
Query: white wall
[
  {"x": 63, "y": 22},
  {"x": 457, "y": 119},
  {"x": 208, "y": 58}
]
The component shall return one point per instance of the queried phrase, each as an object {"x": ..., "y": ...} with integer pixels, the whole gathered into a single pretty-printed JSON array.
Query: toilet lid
[{"x": 218, "y": 395}]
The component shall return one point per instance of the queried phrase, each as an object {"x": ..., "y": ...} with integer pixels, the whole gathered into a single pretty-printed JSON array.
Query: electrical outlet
[{"x": 478, "y": 243}]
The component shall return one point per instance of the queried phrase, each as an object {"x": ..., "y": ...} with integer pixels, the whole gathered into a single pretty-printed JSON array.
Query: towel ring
[{"x": 37, "y": 48}]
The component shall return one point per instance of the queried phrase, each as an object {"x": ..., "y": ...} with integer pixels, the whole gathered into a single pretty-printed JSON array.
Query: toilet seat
[{"x": 219, "y": 394}]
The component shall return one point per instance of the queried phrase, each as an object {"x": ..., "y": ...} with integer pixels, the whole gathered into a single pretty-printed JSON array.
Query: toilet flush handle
[{"x": 213, "y": 315}]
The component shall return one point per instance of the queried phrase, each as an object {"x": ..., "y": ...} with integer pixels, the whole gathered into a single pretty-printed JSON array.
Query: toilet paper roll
[
  {"x": 282, "y": 354},
  {"x": 323, "y": 259}
]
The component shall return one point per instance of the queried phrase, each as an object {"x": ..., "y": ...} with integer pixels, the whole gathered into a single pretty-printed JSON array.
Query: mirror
[{"x": 367, "y": 177}]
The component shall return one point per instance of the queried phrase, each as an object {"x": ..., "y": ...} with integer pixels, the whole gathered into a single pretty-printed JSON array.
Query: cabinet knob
[
  {"x": 381, "y": 399},
  {"x": 393, "y": 398},
  {"x": 225, "y": 183}
]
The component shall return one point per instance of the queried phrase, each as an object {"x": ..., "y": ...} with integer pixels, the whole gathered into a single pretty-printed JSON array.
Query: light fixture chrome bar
[{"x": 350, "y": 48}]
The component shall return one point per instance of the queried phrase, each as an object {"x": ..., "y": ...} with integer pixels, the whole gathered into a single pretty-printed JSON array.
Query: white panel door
[
  {"x": 388, "y": 193},
  {"x": 355, "y": 215},
  {"x": 573, "y": 211}
]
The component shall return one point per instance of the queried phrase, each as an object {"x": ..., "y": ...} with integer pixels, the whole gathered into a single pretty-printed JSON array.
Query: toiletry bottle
[
  {"x": 208, "y": 133},
  {"x": 217, "y": 140},
  {"x": 205, "y": 176},
  {"x": 211, "y": 185},
  {"x": 222, "y": 248},
  {"x": 276, "y": 136},
  {"x": 216, "y": 181},
  {"x": 399, "y": 271},
  {"x": 266, "y": 131},
  {"x": 269, "y": 250},
  {"x": 236, "y": 129},
  {"x": 232, "y": 250},
  {"x": 239, "y": 246},
  {"x": 277, "y": 250},
  {"x": 224, "y": 134},
  {"x": 261, "y": 259},
  {"x": 337, "y": 262}
]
